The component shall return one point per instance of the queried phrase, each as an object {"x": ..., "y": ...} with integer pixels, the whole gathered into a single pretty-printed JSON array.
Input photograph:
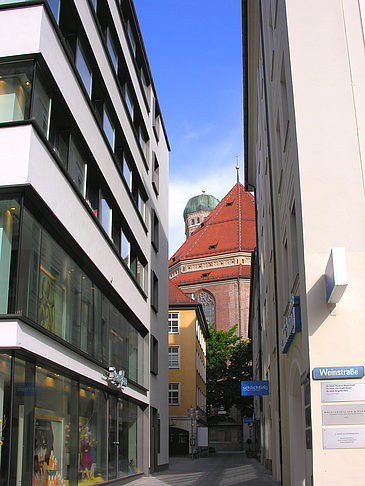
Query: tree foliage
[{"x": 229, "y": 361}]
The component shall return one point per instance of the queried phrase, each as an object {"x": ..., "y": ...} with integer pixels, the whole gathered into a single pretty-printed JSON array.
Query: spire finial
[
  {"x": 238, "y": 167},
  {"x": 203, "y": 191}
]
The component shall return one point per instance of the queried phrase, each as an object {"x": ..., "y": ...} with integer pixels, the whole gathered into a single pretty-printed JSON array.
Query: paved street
[{"x": 221, "y": 469}]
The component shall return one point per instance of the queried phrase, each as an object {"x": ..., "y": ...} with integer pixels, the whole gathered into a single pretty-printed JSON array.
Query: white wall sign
[
  {"x": 344, "y": 438},
  {"x": 343, "y": 414},
  {"x": 346, "y": 391}
]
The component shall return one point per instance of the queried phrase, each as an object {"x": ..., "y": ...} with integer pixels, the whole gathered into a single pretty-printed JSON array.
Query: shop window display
[
  {"x": 52, "y": 427},
  {"x": 5, "y": 367},
  {"x": 92, "y": 436}
]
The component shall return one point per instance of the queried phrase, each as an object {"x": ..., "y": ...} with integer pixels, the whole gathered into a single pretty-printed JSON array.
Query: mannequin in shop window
[
  {"x": 86, "y": 457},
  {"x": 42, "y": 451}
]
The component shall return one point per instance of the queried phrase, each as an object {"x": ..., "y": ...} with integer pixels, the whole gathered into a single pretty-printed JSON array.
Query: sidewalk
[{"x": 220, "y": 469}]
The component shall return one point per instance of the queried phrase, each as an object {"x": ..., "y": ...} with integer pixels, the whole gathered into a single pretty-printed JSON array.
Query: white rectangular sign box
[
  {"x": 351, "y": 414},
  {"x": 346, "y": 391},
  {"x": 344, "y": 438}
]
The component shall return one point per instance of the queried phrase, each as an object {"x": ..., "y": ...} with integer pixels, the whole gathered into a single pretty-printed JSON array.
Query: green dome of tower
[{"x": 203, "y": 202}]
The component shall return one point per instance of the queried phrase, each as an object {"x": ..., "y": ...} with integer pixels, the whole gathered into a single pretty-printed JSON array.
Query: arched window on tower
[{"x": 207, "y": 301}]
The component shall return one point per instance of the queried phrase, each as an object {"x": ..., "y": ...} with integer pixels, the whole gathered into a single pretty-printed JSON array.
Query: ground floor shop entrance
[{"x": 59, "y": 430}]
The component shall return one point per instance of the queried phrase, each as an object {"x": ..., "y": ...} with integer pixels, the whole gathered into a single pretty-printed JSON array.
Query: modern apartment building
[
  {"x": 83, "y": 246},
  {"x": 188, "y": 332},
  {"x": 304, "y": 112}
]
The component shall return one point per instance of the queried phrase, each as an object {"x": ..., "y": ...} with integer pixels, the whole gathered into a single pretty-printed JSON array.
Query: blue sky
[{"x": 194, "y": 48}]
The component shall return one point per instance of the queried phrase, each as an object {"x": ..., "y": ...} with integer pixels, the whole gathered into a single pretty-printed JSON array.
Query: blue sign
[
  {"x": 337, "y": 372},
  {"x": 248, "y": 420},
  {"x": 254, "y": 388},
  {"x": 292, "y": 324}
]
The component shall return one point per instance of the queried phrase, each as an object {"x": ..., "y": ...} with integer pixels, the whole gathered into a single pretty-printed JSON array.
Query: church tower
[{"x": 196, "y": 210}]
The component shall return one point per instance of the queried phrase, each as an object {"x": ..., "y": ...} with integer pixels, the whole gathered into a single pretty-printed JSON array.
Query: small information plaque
[
  {"x": 346, "y": 391},
  {"x": 352, "y": 414},
  {"x": 344, "y": 438}
]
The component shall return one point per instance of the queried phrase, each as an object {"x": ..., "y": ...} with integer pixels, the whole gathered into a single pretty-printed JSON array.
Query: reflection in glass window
[
  {"x": 141, "y": 274},
  {"x": 141, "y": 205},
  {"x": 9, "y": 233},
  {"x": 143, "y": 141},
  {"x": 129, "y": 102},
  {"x": 77, "y": 168},
  {"x": 127, "y": 173},
  {"x": 145, "y": 85},
  {"x": 106, "y": 217},
  {"x": 126, "y": 250},
  {"x": 131, "y": 38},
  {"x": 130, "y": 435},
  {"x": 55, "y": 7},
  {"x": 109, "y": 129},
  {"x": 15, "y": 91},
  {"x": 54, "y": 292},
  {"x": 112, "y": 51},
  {"x": 83, "y": 69},
  {"x": 41, "y": 106},
  {"x": 94, "y": 4}
]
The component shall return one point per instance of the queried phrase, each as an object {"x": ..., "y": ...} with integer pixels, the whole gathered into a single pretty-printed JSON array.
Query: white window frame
[
  {"x": 174, "y": 388},
  {"x": 171, "y": 320},
  {"x": 174, "y": 356}
]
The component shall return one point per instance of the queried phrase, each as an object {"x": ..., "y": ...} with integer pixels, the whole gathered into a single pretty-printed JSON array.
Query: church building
[{"x": 213, "y": 265}]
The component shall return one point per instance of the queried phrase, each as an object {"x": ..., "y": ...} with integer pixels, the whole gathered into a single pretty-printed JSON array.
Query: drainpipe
[
  {"x": 239, "y": 307},
  {"x": 269, "y": 149}
]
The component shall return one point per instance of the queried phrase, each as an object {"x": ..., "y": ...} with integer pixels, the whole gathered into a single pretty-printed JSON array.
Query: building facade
[
  {"x": 188, "y": 332},
  {"x": 83, "y": 251},
  {"x": 304, "y": 75}
]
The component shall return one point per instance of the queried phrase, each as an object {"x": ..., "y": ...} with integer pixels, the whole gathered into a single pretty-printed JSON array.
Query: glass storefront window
[
  {"x": 9, "y": 234},
  {"x": 92, "y": 436},
  {"x": 53, "y": 445},
  {"x": 129, "y": 438},
  {"x": 15, "y": 90},
  {"x": 5, "y": 368}
]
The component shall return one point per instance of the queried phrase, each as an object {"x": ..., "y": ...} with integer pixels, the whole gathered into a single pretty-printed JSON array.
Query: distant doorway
[
  {"x": 179, "y": 442},
  {"x": 296, "y": 427}
]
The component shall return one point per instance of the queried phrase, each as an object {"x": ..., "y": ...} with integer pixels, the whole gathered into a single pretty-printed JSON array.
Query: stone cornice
[{"x": 210, "y": 262}]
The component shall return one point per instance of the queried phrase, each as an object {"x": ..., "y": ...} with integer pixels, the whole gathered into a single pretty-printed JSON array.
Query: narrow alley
[{"x": 220, "y": 469}]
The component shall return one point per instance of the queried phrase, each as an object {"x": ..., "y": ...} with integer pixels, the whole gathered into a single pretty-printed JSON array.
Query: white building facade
[
  {"x": 83, "y": 246},
  {"x": 304, "y": 112}
]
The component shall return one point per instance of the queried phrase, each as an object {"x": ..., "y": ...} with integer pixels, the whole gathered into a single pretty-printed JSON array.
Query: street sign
[
  {"x": 337, "y": 372},
  {"x": 254, "y": 388}
]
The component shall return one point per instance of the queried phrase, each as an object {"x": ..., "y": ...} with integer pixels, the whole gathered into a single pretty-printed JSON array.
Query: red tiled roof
[
  {"x": 177, "y": 296},
  {"x": 230, "y": 227},
  {"x": 203, "y": 276}
]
